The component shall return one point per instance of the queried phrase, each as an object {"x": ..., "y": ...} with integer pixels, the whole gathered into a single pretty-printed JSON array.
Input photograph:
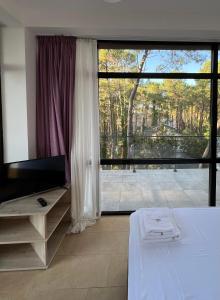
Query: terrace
[{"x": 124, "y": 190}]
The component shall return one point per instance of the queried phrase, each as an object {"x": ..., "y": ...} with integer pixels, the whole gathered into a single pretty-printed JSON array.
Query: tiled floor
[
  {"x": 89, "y": 266},
  {"x": 125, "y": 190}
]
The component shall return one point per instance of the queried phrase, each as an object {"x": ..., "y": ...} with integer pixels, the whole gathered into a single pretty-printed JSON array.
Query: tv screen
[{"x": 23, "y": 178}]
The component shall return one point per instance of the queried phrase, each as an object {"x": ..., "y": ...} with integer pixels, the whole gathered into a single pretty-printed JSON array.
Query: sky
[{"x": 162, "y": 57}]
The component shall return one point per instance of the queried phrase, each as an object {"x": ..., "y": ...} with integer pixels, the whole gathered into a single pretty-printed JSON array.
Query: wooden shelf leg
[
  {"x": 39, "y": 222},
  {"x": 40, "y": 250}
]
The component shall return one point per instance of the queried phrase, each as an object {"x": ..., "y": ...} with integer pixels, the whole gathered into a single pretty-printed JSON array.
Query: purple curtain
[{"x": 55, "y": 93}]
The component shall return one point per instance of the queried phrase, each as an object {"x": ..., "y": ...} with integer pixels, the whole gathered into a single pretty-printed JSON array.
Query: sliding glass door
[{"x": 158, "y": 124}]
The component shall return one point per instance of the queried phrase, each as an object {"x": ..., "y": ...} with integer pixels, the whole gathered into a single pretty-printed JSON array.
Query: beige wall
[{"x": 18, "y": 93}]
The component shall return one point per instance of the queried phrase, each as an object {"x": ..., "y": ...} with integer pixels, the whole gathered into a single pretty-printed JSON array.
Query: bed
[{"x": 188, "y": 269}]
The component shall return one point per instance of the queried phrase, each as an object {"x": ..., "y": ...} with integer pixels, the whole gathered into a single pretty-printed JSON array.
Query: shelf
[
  {"x": 30, "y": 235},
  {"x": 16, "y": 231},
  {"x": 54, "y": 218},
  {"x": 19, "y": 257},
  {"x": 29, "y": 206},
  {"x": 55, "y": 241}
]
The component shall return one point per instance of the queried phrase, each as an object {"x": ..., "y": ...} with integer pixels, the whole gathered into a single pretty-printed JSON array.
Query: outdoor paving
[{"x": 123, "y": 190}]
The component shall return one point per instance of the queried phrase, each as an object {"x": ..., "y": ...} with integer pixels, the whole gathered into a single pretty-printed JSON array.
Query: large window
[{"x": 158, "y": 108}]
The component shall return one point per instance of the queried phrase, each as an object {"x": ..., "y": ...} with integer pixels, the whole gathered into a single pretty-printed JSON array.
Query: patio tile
[
  {"x": 128, "y": 178},
  {"x": 108, "y": 205},
  {"x": 108, "y": 186},
  {"x": 131, "y": 196},
  {"x": 193, "y": 185},
  {"x": 201, "y": 203},
  {"x": 174, "y": 204},
  {"x": 177, "y": 196},
  {"x": 110, "y": 196},
  {"x": 148, "y": 195},
  {"x": 132, "y": 205},
  {"x": 159, "y": 196},
  {"x": 169, "y": 185},
  {"x": 154, "y": 188},
  {"x": 197, "y": 195},
  {"x": 131, "y": 187}
]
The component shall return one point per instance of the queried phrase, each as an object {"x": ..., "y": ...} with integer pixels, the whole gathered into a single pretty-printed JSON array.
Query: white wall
[
  {"x": 30, "y": 55},
  {"x": 14, "y": 97}
]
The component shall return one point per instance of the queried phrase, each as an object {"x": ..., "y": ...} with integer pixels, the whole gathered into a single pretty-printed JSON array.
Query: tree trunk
[
  {"x": 154, "y": 120},
  {"x": 201, "y": 119},
  {"x": 131, "y": 104},
  {"x": 206, "y": 153},
  {"x": 143, "y": 125},
  {"x": 191, "y": 118}
]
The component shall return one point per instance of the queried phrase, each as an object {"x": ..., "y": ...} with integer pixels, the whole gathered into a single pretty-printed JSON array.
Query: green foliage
[{"x": 170, "y": 118}]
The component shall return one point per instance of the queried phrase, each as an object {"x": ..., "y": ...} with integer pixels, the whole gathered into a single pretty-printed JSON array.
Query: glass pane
[
  {"x": 218, "y": 185},
  {"x": 218, "y": 61},
  {"x": 125, "y": 188},
  {"x": 154, "y": 61},
  {"x": 154, "y": 118},
  {"x": 218, "y": 123}
]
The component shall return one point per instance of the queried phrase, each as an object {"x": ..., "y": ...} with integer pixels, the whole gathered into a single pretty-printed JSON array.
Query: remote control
[{"x": 42, "y": 202}]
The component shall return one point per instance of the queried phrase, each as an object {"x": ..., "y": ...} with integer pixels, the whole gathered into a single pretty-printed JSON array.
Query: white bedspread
[{"x": 188, "y": 269}]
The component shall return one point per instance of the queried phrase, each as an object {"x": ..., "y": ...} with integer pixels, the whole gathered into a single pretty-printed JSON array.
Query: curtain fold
[
  {"x": 55, "y": 94},
  {"x": 85, "y": 147}
]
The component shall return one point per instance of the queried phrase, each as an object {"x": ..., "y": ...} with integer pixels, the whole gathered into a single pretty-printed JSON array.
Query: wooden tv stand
[{"x": 30, "y": 235}]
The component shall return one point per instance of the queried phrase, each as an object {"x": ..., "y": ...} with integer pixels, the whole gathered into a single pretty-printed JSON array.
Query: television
[{"x": 22, "y": 178}]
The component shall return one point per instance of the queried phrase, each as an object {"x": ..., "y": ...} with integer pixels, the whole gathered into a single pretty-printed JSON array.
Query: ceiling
[{"x": 129, "y": 19}]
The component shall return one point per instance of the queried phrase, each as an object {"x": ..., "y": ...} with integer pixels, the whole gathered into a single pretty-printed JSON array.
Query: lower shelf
[
  {"x": 18, "y": 231},
  {"x": 19, "y": 257},
  {"x": 55, "y": 240}
]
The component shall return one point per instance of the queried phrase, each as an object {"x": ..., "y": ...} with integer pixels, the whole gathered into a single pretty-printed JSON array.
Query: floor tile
[
  {"x": 113, "y": 293},
  {"x": 117, "y": 273},
  {"x": 90, "y": 265},
  {"x": 110, "y": 223},
  {"x": 74, "y": 272},
  {"x": 63, "y": 294},
  {"x": 95, "y": 243},
  {"x": 5, "y": 297},
  {"x": 17, "y": 283}
]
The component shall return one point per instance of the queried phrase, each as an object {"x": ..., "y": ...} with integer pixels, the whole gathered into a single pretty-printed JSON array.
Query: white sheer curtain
[{"x": 85, "y": 148}]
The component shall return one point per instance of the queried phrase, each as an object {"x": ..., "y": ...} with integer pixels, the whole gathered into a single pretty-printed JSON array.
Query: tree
[
  {"x": 151, "y": 114},
  {"x": 131, "y": 104}
]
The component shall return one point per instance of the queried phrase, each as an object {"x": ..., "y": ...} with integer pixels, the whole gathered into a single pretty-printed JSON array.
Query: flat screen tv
[{"x": 27, "y": 177}]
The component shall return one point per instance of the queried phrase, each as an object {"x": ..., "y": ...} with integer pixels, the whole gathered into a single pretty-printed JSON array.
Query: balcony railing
[{"x": 163, "y": 146}]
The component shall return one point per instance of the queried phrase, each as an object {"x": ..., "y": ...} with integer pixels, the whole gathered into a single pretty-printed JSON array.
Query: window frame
[{"x": 213, "y": 76}]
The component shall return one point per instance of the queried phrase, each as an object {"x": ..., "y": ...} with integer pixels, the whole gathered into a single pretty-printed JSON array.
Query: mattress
[{"x": 188, "y": 269}]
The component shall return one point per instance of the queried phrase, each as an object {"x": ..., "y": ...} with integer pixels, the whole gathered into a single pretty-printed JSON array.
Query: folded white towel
[{"x": 158, "y": 225}]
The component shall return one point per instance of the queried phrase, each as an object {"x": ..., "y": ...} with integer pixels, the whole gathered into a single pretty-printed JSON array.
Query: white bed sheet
[{"x": 188, "y": 269}]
